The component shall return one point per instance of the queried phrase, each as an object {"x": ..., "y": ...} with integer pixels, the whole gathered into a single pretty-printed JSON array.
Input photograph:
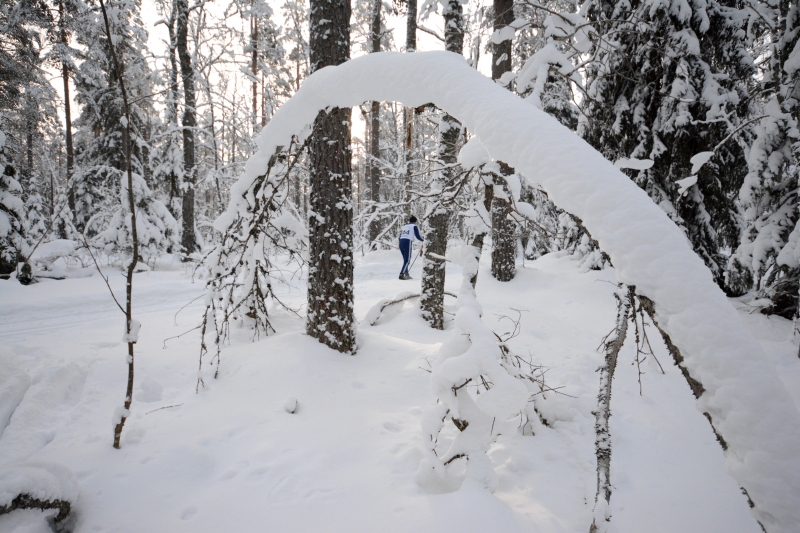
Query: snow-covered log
[
  {"x": 38, "y": 486},
  {"x": 647, "y": 249}
]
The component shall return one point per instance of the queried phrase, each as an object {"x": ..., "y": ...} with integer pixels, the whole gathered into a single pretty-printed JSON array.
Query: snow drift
[{"x": 646, "y": 248}]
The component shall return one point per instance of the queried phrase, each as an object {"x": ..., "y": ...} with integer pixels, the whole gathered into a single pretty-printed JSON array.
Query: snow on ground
[
  {"x": 648, "y": 250},
  {"x": 232, "y": 459}
]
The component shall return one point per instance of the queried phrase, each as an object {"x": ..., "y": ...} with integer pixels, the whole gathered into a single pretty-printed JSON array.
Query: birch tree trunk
[
  {"x": 450, "y": 131},
  {"x": 330, "y": 270},
  {"x": 504, "y": 246},
  {"x": 612, "y": 345},
  {"x": 131, "y": 326}
]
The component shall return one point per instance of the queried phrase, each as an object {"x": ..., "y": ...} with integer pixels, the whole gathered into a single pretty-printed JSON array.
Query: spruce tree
[
  {"x": 768, "y": 258},
  {"x": 673, "y": 86},
  {"x": 100, "y": 160},
  {"x": 12, "y": 212}
]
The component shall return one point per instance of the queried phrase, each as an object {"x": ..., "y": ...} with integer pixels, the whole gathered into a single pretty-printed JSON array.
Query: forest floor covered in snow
[{"x": 230, "y": 458}]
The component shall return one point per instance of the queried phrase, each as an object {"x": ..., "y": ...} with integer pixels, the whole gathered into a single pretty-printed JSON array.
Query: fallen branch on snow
[{"x": 374, "y": 314}]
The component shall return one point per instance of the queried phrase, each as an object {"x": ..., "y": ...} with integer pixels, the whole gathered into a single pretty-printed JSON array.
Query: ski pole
[{"x": 415, "y": 258}]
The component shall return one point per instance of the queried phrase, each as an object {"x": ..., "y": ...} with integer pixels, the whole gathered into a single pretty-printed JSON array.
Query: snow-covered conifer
[
  {"x": 62, "y": 225},
  {"x": 158, "y": 232},
  {"x": 100, "y": 157},
  {"x": 666, "y": 82},
  {"x": 12, "y": 213},
  {"x": 768, "y": 257}
]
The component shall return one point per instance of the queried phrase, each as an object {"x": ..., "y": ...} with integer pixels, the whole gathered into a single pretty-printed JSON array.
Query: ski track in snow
[{"x": 232, "y": 459}]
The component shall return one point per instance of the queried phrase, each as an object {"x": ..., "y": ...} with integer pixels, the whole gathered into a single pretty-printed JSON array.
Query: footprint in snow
[
  {"x": 393, "y": 427},
  {"x": 189, "y": 513}
]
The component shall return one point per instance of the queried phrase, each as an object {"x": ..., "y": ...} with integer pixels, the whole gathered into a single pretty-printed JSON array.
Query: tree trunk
[
  {"x": 67, "y": 112},
  {"x": 29, "y": 153},
  {"x": 408, "y": 113},
  {"x": 504, "y": 242},
  {"x": 411, "y": 26},
  {"x": 131, "y": 326},
  {"x": 188, "y": 237},
  {"x": 504, "y": 246},
  {"x": 172, "y": 112},
  {"x": 254, "y": 67},
  {"x": 450, "y": 130},
  {"x": 375, "y": 133},
  {"x": 330, "y": 270}
]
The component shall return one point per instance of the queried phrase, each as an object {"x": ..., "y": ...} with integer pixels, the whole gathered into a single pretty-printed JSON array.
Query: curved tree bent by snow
[
  {"x": 241, "y": 267},
  {"x": 647, "y": 249}
]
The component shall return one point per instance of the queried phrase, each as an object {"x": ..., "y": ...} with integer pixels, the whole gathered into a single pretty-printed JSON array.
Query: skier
[{"x": 407, "y": 235}]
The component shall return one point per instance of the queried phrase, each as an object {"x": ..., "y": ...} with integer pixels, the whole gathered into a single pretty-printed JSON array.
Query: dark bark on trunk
[
  {"x": 408, "y": 113},
  {"x": 126, "y": 141},
  {"x": 504, "y": 246},
  {"x": 188, "y": 237},
  {"x": 218, "y": 197},
  {"x": 504, "y": 242},
  {"x": 29, "y": 153},
  {"x": 411, "y": 26},
  {"x": 26, "y": 501},
  {"x": 67, "y": 113},
  {"x": 450, "y": 130},
  {"x": 330, "y": 271},
  {"x": 375, "y": 132},
  {"x": 172, "y": 111},
  {"x": 263, "y": 100},
  {"x": 254, "y": 67}
]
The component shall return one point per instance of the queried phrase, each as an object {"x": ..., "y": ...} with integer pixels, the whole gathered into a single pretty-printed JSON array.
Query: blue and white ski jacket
[{"x": 409, "y": 231}]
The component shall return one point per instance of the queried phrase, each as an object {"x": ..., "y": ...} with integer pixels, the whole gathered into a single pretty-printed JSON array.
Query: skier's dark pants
[{"x": 405, "y": 249}]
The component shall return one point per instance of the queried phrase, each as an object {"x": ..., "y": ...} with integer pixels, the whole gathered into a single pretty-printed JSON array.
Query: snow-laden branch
[{"x": 751, "y": 409}]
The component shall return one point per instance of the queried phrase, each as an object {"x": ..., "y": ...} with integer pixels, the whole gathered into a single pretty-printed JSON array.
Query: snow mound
[
  {"x": 754, "y": 415},
  {"x": 50, "y": 251},
  {"x": 41, "y": 481}
]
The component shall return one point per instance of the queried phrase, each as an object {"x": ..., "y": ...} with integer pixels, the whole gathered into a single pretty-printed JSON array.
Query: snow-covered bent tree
[{"x": 647, "y": 250}]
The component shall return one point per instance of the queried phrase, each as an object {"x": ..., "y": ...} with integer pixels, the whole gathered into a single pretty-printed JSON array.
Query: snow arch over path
[{"x": 743, "y": 393}]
